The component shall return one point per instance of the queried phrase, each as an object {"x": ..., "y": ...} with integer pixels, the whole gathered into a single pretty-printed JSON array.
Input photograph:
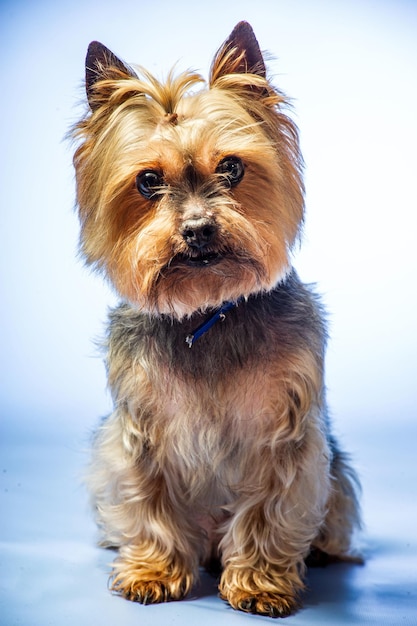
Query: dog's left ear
[
  {"x": 102, "y": 64},
  {"x": 240, "y": 54}
]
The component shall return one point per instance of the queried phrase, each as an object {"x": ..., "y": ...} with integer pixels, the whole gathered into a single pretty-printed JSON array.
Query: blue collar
[{"x": 205, "y": 326}]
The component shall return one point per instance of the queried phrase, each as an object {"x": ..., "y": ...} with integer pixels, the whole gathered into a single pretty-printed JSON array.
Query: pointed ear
[
  {"x": 240, "y": 54},
  {"x": 101, "y": 64}
]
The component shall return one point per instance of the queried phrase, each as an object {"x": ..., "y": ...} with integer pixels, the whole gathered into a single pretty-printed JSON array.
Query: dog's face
[{"x": 186, "y": 199}]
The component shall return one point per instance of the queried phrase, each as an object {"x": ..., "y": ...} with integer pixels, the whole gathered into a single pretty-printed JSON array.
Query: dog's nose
[{"x": 199, "y": 232}]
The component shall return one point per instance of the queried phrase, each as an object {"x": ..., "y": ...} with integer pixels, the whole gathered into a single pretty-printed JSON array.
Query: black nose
[{"x": 199, "y": 232}]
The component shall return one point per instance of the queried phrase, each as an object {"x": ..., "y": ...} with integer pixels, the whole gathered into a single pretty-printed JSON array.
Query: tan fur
[
  {"x": 223, "y": 450},
  {"x": 133, "y": 241}
]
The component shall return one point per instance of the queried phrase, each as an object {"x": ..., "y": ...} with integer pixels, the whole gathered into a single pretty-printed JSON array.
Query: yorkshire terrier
[{"x": 219, "y": 447}]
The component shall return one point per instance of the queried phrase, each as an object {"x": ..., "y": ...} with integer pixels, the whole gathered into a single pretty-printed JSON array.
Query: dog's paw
[
  {"x": 140, "y": 582},
  {"x": 264, "y": 593},
  {"x": 263, "y": 603},
  {"x": 151, "y": 591}
]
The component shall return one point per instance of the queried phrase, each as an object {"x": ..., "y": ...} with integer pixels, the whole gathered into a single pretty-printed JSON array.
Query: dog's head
[{"x": 188, "y": 197}]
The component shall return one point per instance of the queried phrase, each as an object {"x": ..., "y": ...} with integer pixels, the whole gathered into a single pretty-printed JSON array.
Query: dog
[{"x": 219, "y": 449}]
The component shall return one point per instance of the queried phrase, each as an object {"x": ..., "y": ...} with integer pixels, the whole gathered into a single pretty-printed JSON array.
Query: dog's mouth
[{"x": 196, "y": 259}]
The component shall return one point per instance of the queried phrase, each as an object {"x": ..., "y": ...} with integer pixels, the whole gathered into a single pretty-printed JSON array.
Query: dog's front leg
[
  {"x": 160, "y": 563},
  {"x": 141, "y": 511},
  {"x": 272, "y": 525},
  {"x": 154, "y": 568}
]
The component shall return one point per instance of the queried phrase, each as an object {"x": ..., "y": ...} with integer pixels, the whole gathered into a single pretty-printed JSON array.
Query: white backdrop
[{"x": 350, "y": 67}]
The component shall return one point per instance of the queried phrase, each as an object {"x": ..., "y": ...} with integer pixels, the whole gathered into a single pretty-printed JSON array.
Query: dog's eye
[
  {"x": 232, "y": 168},
  {"x": 148, "y": 183}
]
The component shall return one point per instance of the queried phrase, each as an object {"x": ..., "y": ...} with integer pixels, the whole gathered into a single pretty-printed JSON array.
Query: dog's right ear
[{"x": 102, "y": 64}]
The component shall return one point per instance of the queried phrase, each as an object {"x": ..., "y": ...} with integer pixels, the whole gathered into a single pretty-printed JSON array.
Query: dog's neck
[{"x": 218, "y": 315}]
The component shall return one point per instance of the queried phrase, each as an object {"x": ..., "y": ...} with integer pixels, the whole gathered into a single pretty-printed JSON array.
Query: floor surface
[{"x": 52, "y": 573}]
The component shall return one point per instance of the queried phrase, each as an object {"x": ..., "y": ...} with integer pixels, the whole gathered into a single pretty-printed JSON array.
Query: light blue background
[{"x": 351, "y": 69}]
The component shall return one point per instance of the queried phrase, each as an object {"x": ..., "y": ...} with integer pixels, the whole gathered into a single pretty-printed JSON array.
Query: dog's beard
[{"x": 163, "y": 275}]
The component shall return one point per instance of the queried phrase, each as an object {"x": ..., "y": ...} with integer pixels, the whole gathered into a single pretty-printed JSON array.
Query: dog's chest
[{"x": 214, "y": 417}]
